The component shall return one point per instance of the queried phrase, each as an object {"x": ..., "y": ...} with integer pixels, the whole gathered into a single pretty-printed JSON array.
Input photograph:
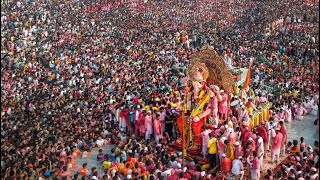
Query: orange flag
[{"x": 247, "y": 82}]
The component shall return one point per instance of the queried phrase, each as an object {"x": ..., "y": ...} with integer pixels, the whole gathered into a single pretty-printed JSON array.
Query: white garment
[
  {"x": 237, "y": 167},
  {"x": 117, "y": 115},
  {"x": 166, "y": 173},
  {"x": 314, "y": 110},
  {"x": 260, "y": 154},
  {"x": 100, "y": 142},
  {"x": 300, "y": 118},
  {"x": 122, "y": 123}
]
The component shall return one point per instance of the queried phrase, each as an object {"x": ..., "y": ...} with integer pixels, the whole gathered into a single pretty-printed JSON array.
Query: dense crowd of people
[{"x": 78, "y": 75}]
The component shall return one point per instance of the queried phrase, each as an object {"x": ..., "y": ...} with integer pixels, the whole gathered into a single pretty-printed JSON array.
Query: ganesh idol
[{"x": 200, "y": 102}]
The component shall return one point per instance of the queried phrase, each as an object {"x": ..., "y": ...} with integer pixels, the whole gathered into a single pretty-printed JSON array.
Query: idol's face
[{"x": 198, "y": 76}]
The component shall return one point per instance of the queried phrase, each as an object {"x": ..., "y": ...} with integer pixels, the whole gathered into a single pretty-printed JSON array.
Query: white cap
[
  {"x": 129, "y": 176},
  {"x": 138, "y": 106},
  {"x": 113, "y": 172},
  {"x": 240, "y": 157},
  {"x": 179, "y": 165},
  {"x": 313, "y": 169},
  {"x": 149, "y": 111},
  {"x": 203, "y": 173},
  {"x": 237, "y": 143},
  {"x": 94, "y": 177},
  {"x": 250, "y": 139},
  {"x": 310, "y": 150},
  {"x": 221, "y": 91},
  {"x": 185, "y": 169},
  {"x": 223, "y": 155}
]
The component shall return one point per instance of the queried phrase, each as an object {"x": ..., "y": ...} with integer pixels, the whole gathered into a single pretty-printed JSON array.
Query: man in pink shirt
[
  {"x": 173, "y": 175},
  {"x": 205, "y": 138},
  {"x": 136, "y": 119},
  {"x": 221, "y": 147},
  {"x": 261, "y": 130},
  {"x": 283, "y": 130},
  {"x": 255, "y": 167},
  {"x": 300, "y": 112},
  {"x": 148, "y": 125},
  {"x": 260, "y": 150},
  {"x": 233, "y": 137},
  {"x": 237, "y": 150},
  {"x": 142, "y": 123},
  {"x": 157, "y": 124},
  {"x": 276, "y": 145}
]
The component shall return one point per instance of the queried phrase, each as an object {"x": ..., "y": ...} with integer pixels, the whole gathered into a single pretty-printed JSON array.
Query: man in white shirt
[
  {"x": 237, "y": 167},
  {"x": 136, "y": 119},
  {"x": 100, "y": 142},
  {"x": 260, "y": 150},
  {"x": 167, "y": 172}
]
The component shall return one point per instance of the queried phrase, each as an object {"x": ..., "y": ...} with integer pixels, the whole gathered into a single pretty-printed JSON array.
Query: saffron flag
[{"x": 247, "y": 82}]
